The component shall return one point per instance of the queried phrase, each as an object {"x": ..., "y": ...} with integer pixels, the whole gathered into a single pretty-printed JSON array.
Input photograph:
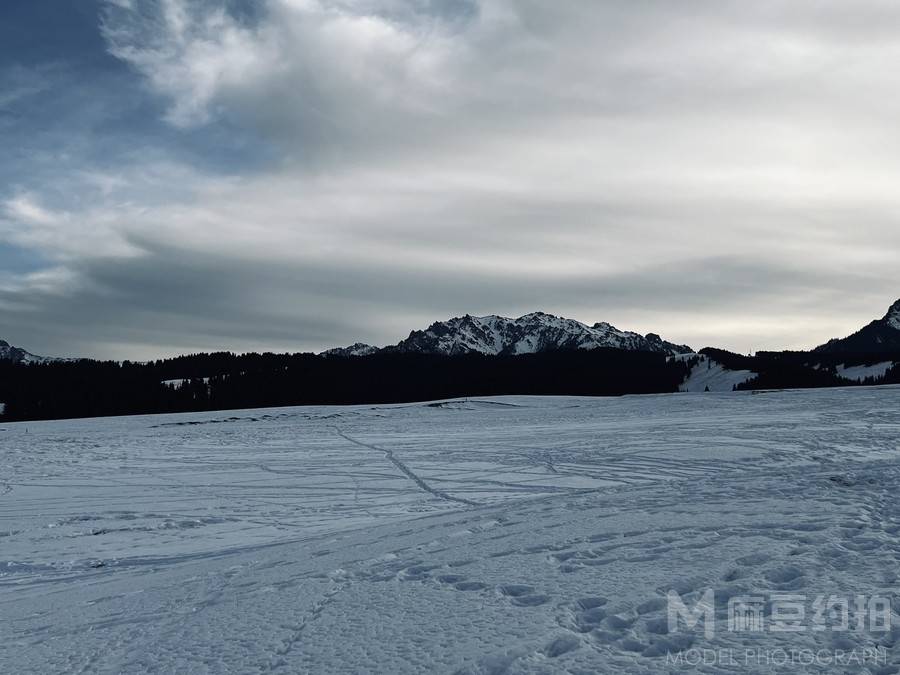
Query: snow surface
[
  {"x": 860, "y": 373},
  {"x": 709, "y": 373},
  {"x": 511, "y": 534}
]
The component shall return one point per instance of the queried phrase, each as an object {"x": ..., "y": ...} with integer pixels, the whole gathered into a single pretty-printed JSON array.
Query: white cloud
[
  {"x": 24, "y": 208},
  {"x": 310, "y": 57},
  {"x": 65, "y": 236}
]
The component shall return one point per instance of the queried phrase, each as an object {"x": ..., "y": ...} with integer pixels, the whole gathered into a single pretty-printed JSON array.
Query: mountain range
[
  {"x": 533, "y": 333},
  {"x": 535, "y": 354},
  {"x": 538, "y": 333}
]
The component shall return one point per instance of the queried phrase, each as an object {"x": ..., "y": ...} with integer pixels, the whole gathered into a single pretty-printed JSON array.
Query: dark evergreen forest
[{"x": 222, "y": 381}]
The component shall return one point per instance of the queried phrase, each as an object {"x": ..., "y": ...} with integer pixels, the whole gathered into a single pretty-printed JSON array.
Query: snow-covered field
[{"x": 484, "y": 536}]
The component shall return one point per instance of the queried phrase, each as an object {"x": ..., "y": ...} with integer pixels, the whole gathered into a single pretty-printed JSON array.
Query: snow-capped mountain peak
[
  {"x": 19, "y": 355},
  {"x": 892, "y": 318},
  {"x": 528, "y": 334}
]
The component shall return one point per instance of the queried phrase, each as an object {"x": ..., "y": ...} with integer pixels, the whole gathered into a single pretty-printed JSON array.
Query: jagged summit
[
  {"x": 882, "y": 335},
  {"x": 19, "y": 355},
  {"x": 892, "y": 318},
  {"x": 528, "y": 334}
]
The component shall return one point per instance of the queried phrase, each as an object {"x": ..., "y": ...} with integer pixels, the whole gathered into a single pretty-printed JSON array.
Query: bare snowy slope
[
  {"x": 876, "y": 371},
  {"x": 505, "y": 535},
  {"x": 709, "y": 375}
]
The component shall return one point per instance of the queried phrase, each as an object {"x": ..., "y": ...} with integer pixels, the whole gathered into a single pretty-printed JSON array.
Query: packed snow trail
[{"x": 261, "y": 541}]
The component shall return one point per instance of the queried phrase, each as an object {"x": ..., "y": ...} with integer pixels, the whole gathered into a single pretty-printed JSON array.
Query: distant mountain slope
[
  {"x": 19, "y": 355},
  {"x": 356, "y": 349},
  {"x": 530, "y": 334},
  {"x": 882, "y": 335}
]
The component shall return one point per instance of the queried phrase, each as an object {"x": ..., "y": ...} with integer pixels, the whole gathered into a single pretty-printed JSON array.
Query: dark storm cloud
[{"x": 295, "y": 174}]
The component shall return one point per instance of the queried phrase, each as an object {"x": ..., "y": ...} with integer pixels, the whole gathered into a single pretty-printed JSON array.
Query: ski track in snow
[
  {"x": 515, "y": 535},
  {"x": 405, "y": 470}
]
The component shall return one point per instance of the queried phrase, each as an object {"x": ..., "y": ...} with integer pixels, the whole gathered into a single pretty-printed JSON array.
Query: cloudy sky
[{"x": 184, "y": 175}]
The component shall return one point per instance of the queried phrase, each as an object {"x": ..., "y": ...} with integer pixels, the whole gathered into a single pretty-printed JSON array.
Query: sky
[{"x": 291, "y": 175}]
